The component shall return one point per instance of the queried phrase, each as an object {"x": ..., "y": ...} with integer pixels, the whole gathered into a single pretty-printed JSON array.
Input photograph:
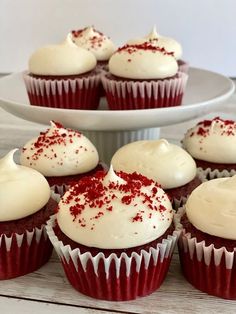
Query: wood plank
[{"x": 13, "y": 306}]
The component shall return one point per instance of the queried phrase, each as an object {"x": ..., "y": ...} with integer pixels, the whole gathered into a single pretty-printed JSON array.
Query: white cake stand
[{"x": 109, "y": 130}]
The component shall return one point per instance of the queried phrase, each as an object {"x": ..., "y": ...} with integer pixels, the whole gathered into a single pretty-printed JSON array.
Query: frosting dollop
[
  {"x": 170, "y": 44},
  {"x": 211, "y": 207},
  {"x": 23, "y": 191},
  {"x": 61, "y": 59},
  {"x": 143, "y": 61},
  {"x": 114, "y": 211},
  {"x": 212, "y": 140},
  {"x": 159, "y": 160},
  {"x": 96, "y": 42},
  {"x": 60, "y": 152}
]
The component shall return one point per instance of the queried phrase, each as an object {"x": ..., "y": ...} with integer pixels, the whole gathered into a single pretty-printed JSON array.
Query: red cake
[
  {"x": 207, "y": 244},
  {"x": 114, "y": 231},
  {"x": 24, "y": 245},
  {"x": 143, "y": 77},
  {"x": 63, "y": 76}
]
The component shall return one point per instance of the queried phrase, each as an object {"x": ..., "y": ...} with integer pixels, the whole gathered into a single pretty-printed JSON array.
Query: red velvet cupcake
[
  {"x": 212, "y": 144},
  {"x": 114, "y": 235},
  {"x": 163, "y": 162},
  {"x": 25, "y": 206},
  {"x": 62, "y": 155},
  {"x": 143, "y": 77},
  {"x": 63, "y": 76},
  {"x": 207, "y": 244}
]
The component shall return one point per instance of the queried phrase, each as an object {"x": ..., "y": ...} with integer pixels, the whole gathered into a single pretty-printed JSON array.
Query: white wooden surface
[{"x": 48, "y": 291}]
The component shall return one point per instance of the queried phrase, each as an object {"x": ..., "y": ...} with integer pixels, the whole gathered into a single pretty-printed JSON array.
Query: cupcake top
[
  {"x": 23, "y": 191},
  {"x": 170, "y": 44},
  {"x": 211, "y": 207},
  {"x": 165, "y": 163},
  {"x": 59, "y": 152},
  {"x": 61, "y": 59},
  {"x": 114, "y": 211},
  {"x": 96, "y": 42},
  {"x": 143, "y": 61},
  {"x": 212, "y": 141}
]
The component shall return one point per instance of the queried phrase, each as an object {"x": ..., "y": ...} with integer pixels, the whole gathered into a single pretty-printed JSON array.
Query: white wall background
[{"x": 206, "y": 28}]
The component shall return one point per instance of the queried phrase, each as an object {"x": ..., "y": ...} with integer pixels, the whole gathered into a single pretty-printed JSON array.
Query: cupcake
[
  {"x": 163, "y": 162},
  {"x": 142, "y": 77},
  {"x": 114, "y": 235},
  {"x": 63, "y": 76},
  {"x": 212, "y": 143},
  {"x": 207, "y": 244},
  {"x": 99, "y": 44},
  {"x": 169, "y": 44},
  {"x": 62, "y": 155},
  {"x": 25, "y": 206}
]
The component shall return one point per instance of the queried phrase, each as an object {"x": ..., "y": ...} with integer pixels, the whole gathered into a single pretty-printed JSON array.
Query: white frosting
[
  {"x": 165, "y": 163},
  {"x": 213, "y": 141},
  {"x": 60, "y": 152},
  {"x": 170, "y": 44},
  {"x": 211, "y": 207},
  {"x": 100, "y": 45},
  {"x": 62, "y": 59},
  {"x": 124, "y": 225},
  {"x": 136, "y": 62},
  {"x": 23, "y": 191}
]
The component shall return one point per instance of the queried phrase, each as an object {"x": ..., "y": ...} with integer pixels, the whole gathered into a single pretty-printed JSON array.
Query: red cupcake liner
[
  {"x": 115, "y": 278},
  {"x": 129, "y": 95},
  {"x": 209, "y": 269},
  {"x": 76, "y": 93},
  {"x": 21, "y": 254}
]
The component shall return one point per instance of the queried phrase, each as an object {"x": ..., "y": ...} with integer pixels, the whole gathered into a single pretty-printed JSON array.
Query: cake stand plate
[{"x": 108, "y": 129}]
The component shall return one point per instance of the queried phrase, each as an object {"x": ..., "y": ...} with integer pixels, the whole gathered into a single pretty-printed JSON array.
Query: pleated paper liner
[
  {"x": 131, "y": 94},
  {"x": 24, "y": 253},
  {"x": 207, "y": 268},
  {"x": 75, "y": 93},
  {"x": 210, "y": 174},
  {"x": 114, "y": 278}
]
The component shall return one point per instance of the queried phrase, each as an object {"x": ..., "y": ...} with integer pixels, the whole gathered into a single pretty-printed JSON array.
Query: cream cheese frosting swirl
[
  {"x": 60, "y": 152},
  {"x": 143, "y": 61},
  {"x": 96, "y": 42},
  {"x": 211, "y": 207},
  {"x": 159, "y": 160},
  {"x": 62, "y": 59},
  {"x": 114, "y": 211},
  {"x": 23, "y": 191},
  {"x": 170, "y": 44},
  {"x": 212, "y": 141}
]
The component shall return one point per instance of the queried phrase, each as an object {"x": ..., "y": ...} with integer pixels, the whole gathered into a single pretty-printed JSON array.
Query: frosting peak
[
  {"x": 111, "y": 177},
  {"x": 23, "y": 191},
  {"x": 211, "y": 207},
  {"x": 96, "y": 42},
  {"x": 60, "y": 152},
  {"x": 7, "y": 162},
  {"x": 170, "y": 44},
  {"x": 165, "y": 163},
  {"x": 123, "y": 214},
  {"x": 61, "y": 59}
]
